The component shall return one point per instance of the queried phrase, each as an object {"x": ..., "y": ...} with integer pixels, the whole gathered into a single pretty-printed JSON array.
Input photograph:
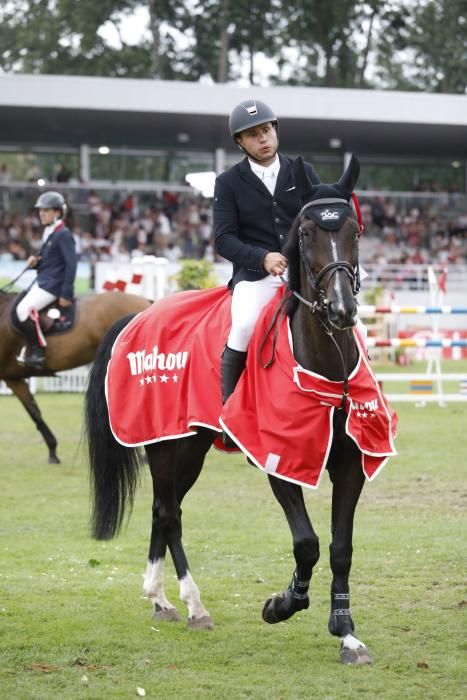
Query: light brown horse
[{"x": 95, "y": 314}]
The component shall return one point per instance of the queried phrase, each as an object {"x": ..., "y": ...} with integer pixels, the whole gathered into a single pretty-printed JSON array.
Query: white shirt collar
[{"x": 269, "y": 171}]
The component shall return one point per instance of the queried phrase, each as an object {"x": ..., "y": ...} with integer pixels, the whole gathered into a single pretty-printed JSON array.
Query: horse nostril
[{"x": 341, "y": 315}]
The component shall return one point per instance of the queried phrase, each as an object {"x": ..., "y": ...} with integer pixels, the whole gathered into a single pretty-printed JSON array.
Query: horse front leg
[
  {"x": 21, "y": 390},
  {"x": 306, "y": 552},
  {"x": 347, "y": 479}
]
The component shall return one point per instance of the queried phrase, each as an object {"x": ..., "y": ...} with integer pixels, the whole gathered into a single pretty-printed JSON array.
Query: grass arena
[{"x": 74, "y": 623}]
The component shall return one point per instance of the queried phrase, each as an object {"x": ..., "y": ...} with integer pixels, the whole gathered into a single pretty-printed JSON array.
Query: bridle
[
  {"x": 319, "y": 307},
  {"x": 321, "y": 303}
]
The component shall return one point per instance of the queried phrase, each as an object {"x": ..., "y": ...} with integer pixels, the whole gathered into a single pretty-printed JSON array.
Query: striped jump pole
[
  {"x": 366, "y": 310},
  {"x": 416, "y": 343}
]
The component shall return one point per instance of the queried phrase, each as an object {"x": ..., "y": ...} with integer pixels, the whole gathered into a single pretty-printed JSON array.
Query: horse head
[{"x": 323, "y": 247}]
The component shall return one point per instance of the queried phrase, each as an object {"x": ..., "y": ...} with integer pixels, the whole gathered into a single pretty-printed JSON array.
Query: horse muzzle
[{"x": 342, "y": 316}]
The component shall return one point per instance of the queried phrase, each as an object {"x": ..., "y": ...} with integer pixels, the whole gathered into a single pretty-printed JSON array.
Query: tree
[
  {"x": 65, "y": 37},
  {"x": 424, "y": 48},
  {"x": 323, "y": 35}
]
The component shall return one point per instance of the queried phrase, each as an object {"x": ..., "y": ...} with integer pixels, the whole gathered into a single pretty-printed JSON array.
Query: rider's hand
[
  {"x": 64, "y": 303},
  {"x": 32, "y": 261},
  {"x": 275, "y": 264}
]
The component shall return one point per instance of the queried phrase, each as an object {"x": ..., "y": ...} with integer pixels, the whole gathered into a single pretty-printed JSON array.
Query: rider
[
  {"x": 255, "y": 203},
  {"x": 56, "y": 269}
]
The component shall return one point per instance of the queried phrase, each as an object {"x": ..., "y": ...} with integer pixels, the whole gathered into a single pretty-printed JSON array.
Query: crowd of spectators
[{"x": 179, "y": 225}]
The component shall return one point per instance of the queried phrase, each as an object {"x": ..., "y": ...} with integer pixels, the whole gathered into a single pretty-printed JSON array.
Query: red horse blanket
[{"x": 163, "y": 381}]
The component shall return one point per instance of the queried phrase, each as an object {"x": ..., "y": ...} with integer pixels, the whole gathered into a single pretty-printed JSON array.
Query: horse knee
[
  {"x": 341, "y": 558},
  {"x": 306, "y": 551}
]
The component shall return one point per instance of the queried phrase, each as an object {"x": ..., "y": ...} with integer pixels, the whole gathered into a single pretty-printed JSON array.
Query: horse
[
  {"x": 322, "y": 251},
  {"x": 95, "y": 315}
]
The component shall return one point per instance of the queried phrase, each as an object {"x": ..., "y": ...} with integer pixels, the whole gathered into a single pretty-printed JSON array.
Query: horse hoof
[
  {"x": 269, "y": 613},
  {"x": 200, "y": 623},
  {"x": 53, "y": 459},
  {"x": 166, "y": 614},
  {"x": 355, "y": 657}
]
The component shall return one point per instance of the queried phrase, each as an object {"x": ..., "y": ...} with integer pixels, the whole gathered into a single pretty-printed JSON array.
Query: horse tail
[{"x": 114, "y": 469}]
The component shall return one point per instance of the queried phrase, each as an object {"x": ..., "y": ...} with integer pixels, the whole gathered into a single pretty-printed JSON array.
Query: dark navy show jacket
[
  {"x": 56, "y": 269},
  {"x": 248, "y": 221}
]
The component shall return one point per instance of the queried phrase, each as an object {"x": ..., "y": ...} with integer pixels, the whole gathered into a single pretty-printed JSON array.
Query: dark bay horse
[
  {"x": 95, "y": 315},
  {"x": 324, "y": 281}
]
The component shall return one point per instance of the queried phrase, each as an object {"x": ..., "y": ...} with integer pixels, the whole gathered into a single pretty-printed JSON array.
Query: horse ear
[
  {"x": 349, "y": 178},
  {"x": 304, "y": 184}
]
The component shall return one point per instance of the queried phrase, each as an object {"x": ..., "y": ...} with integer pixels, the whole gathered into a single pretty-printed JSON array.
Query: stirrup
[
  {"x": 34, "y": 361},
  {"x": 21, "y": 358}
]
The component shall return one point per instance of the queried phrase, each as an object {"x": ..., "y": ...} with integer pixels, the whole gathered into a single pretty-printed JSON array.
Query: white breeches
[
  {"x": 36, "y": 298},
  {"x": 248, "y": 300}
]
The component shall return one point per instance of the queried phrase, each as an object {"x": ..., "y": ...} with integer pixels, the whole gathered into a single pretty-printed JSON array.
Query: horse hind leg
[
  {"x": 306, "y": 552},
  {"x": 175, "y": 466},
  {"x": 153, "y": 589}
]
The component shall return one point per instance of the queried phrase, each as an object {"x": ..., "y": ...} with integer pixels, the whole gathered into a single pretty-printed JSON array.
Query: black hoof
[
  {"x": 53, "y": 459},
  {"x": 282, "y": 607}
]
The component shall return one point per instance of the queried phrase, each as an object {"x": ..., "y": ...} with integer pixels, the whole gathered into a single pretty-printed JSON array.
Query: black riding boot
[
  {"x": 34, "y": 356},
  {"x": 232, "y": 366}
]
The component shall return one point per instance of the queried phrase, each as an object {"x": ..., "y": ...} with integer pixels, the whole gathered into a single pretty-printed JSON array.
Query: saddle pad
[{"x": 163, "y": 378}]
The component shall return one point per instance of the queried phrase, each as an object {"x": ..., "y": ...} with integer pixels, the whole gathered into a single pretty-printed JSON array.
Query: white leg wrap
[
  {"x": 153, "y": 585},
  {"x": 351, "y": 642},
  {"x": 189, "y": 593}
]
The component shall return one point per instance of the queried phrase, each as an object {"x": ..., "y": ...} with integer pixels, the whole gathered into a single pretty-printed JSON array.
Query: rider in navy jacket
[
  {"x": 56, "y": 268},
  {"x": 249, "y": 221},
  {"x": 255, "y": 203},
  {"x": 56, "y": 265}
]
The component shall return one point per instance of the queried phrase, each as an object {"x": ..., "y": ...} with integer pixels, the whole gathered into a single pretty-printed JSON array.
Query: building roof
[{"x": 70, "y": 110}]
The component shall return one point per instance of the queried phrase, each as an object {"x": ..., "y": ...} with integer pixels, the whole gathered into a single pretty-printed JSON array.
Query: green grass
[
  {"x": 73, "y": 623},
  {"x": 82, "y": 285}
]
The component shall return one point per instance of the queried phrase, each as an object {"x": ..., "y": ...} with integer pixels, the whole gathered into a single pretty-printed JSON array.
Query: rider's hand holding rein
[
  {"x": 275, "y": 264},
  {"x": 33, "y": 261}
]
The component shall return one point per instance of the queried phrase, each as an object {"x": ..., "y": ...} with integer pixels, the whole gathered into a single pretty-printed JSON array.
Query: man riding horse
[
  {"x": 255, "y": 203},
  {"x": 56, "y": 265}
]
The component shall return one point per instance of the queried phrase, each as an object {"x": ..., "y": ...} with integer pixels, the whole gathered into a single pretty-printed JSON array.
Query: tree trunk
[
  {"x": 223, "y": 66},
  {"x": 154, "y": 27},
  {"x": 361, "y": 80}
]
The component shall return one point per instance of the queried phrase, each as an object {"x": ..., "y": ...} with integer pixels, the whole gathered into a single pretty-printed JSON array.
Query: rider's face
[
  {"x": 48, "y": 216},
  {"x": 260, "y": 142}
]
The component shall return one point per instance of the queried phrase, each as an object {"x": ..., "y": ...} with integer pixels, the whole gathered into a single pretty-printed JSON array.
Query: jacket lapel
[
  {"x": 283, "y": 179},
  {"x": 250, "y": 178}
]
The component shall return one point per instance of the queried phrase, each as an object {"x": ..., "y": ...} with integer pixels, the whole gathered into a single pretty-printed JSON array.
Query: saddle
[{"x": 53, "y": 319}]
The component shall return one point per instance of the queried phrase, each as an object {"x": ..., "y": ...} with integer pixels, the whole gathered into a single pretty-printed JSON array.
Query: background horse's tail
[{"x": 114, "y": 468}]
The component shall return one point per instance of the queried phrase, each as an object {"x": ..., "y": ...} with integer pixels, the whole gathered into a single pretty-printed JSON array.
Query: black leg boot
[
  {"x": 34, "y": 356},
  {"x": 232, "y": 366}
]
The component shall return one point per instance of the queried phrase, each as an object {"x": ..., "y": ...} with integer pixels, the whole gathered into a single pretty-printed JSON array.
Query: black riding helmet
[
  {"x": 250, "y": 113},
  {"x": 51, "y": 200}
]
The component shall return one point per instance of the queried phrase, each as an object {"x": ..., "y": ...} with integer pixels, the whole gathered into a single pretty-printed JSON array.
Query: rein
[
  {"x": 9, "y": 285},
  {"x": 320, "y": 305}
]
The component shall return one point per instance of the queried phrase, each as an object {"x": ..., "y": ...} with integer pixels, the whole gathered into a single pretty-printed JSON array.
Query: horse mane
[{"x": 292, "y": 253}]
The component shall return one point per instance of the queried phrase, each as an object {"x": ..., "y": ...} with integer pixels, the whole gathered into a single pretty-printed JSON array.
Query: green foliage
[
  {"x": 424, "y": 47},
  {"x": 70, "y": 629},
  {"x": 417, "y": 46},
  {"x": 195, "y": 274}
]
